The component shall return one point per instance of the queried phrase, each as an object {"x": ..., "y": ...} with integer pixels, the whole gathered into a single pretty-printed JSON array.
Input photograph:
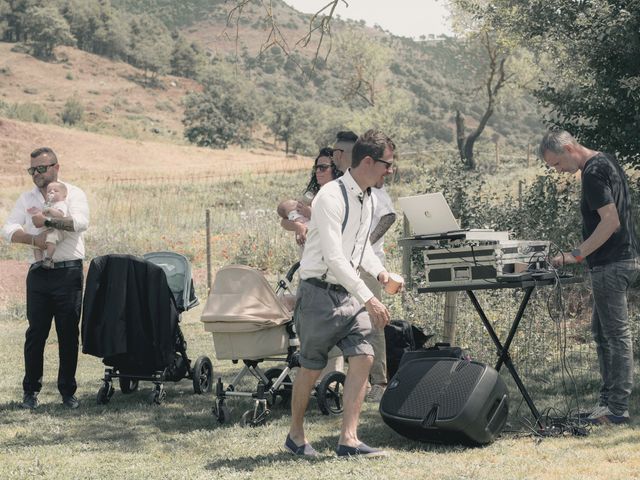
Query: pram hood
[{"x": 241, "y": 300}]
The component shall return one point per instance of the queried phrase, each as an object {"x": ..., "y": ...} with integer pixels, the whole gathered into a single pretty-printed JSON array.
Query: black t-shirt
[{"x": 604, "y": 182}]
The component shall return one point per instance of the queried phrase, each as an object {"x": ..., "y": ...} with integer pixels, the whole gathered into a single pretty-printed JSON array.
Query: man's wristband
[
  {"x": 47, "y": 222},
  {"x": 577, "y": 254}
]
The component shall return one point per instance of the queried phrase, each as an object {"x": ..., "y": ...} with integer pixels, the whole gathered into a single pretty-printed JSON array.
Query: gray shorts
[{"x": 325, "y": 318}]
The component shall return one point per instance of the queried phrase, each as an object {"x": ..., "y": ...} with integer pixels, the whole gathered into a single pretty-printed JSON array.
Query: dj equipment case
[{"x": 478, "y": 263}]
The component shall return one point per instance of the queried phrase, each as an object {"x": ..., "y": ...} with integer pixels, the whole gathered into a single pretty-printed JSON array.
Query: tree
[
  {"x": 495, "y": 78},
  {"x": 223, "y": 114},
  {"x": 362, "y": 63},
  {"x": 186, "y": 58},
  {"x": 591, "y": 83},
  {"x": 14, "y": 13},
  {"x": 391, "y": 114},
  {"x": 150, "y": 47},
  {"x": 46, "y": 28},
  {"x": 286, "y": 121}
]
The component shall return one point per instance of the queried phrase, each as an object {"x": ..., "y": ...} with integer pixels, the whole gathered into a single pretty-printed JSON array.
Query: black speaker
[{"x": 446, "y": 400}]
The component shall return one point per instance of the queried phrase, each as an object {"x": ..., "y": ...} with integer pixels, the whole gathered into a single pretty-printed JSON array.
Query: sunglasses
[
  {"x": 321, "y": 168},
  {"x": 39, "y": 168},
  {"x": 389, "y": 165}
]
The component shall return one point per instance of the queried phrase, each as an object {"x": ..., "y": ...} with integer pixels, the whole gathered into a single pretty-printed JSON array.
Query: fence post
[
  {"x": 406, "y": 256},
  {"x": 450, "y": 316},
  {"x": 497, "y": 155},
  {"x": 520, "y": 183},
  {"x": 208, "y": 237}
]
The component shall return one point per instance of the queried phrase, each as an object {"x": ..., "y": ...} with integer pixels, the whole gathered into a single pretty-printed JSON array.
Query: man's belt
[
  {"x": 68, "y": 263},
  {"x": 64, "y": 264},
  {"x": 316, "y": 282}
]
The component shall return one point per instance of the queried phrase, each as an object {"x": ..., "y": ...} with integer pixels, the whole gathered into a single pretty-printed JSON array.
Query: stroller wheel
[
  {"x": 248, "y": 419},
  {"x": 105, "y": 392},
  {"x": 128, "y": 385},
  {"x": 222, "y": 413},
  {"x": 329, "y": 393},
  {"x": 158, "y": 395},
  {"x": 281, "y": 396},
  {"x": 202, "y": 375}
]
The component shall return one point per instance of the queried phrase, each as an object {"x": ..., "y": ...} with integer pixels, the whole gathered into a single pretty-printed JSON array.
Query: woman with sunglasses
[{"x": 295, "y": 220}]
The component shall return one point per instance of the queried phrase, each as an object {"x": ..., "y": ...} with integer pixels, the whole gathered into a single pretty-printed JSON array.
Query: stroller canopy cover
[
  {"x": 241, "y": 300},
  {"x": 178, "y": 271}
]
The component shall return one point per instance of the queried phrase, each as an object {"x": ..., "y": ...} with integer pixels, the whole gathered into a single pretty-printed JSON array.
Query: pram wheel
[
  {"x": 128, "y": 385},
  {"x": 283, "y": 393},
  {"x": 222, "y": 413},
  {"x": 105, "y": 392},
  {"x": 329, "y": 393},
  {"x": 202, "y": 374},
  {"x": 255, "y": 417},
  {"x": 158, "y": 394}
]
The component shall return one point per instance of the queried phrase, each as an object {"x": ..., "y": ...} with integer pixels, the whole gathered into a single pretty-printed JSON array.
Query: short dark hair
[
  {"x": 44, "y": 151},
  {"x": 346, "y": 136},
  {"x": 371, "y": 143}
]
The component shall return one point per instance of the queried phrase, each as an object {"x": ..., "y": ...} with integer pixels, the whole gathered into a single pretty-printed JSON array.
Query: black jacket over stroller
[{"x": 130, "y": 319}]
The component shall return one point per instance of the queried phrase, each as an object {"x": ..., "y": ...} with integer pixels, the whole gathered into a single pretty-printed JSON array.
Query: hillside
[
  {"x": 114, "y": 100},
  {"x": 87, "y": 157},
  {"x": 416, "y": 85}
]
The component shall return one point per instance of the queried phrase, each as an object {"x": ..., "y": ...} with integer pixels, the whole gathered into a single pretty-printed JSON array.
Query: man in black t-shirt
[{"x": 612, "y": 251}]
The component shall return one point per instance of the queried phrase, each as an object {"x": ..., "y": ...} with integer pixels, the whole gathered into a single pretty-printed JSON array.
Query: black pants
[{"x": 55, "y": 293}]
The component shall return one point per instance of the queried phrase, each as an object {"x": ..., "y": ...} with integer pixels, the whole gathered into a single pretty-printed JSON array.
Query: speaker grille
[{"x": 427, "y": 383}]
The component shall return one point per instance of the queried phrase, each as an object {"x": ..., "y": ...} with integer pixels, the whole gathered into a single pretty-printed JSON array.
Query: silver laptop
[{"x": 429, "y": 214}]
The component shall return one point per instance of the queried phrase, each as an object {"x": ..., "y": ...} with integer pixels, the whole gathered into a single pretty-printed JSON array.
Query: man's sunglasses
[
  {"x": 389, "y": 165},
  {"x": 39, "y": 168},
  {"x": 321, "y": 167}
]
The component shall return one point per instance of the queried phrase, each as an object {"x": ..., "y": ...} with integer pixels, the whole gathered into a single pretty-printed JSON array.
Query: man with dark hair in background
[
  {"x": 334, "y": 306},
  {"x": 611, "y": 249},
  {"x": 384, "y": 216},
  {"x": 54, "y": 292}
]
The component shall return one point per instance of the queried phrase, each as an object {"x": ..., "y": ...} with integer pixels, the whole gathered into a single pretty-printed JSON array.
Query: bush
[
  {"x": 27, "y": 112},
  {"x": 73, "y": 111}
]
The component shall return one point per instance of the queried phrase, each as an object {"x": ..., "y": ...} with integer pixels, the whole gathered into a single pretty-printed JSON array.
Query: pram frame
[
  {"x": 328, "y": 392},
  {"x": 201, "y": 374}
]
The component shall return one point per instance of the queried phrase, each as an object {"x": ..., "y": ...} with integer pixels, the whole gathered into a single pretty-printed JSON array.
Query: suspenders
[{"x": 346, "y": 218}]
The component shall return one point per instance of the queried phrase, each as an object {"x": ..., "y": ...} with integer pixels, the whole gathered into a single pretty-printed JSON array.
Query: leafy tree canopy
[{"x": 589, "y": 52}]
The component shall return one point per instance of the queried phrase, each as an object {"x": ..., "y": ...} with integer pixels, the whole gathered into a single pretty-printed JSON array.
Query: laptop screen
[{"x": 428, "y": 214}]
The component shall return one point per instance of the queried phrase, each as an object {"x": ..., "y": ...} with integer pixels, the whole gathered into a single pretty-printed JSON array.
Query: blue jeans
[{"x": 611, "y": 331}]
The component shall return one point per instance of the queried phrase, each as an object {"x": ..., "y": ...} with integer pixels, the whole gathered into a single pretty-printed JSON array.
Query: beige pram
[{"x": 252, "y": 323}]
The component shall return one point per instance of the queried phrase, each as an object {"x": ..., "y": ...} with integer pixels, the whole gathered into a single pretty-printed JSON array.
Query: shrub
[
  {"x": 73, "y": 111},
  {"x": 28, "y": 112}
]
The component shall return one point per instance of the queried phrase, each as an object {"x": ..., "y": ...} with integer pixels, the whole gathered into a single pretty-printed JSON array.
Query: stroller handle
[{"x": 292, "y": 271}]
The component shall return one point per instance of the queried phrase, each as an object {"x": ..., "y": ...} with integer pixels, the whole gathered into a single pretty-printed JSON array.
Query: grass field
[{"x": 180, "y": 439}]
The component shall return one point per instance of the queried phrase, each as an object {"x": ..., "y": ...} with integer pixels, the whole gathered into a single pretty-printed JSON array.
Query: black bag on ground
[
  {"x": 439, "y": 350},
  {"x": 401, "y": 336}
]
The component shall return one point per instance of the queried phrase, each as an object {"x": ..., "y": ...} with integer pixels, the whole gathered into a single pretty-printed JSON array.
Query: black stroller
[{"x": 130, "y": 319}]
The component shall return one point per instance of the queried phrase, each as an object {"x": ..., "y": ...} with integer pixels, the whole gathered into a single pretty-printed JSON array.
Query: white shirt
[
  {"x": 329, "y": 250},
  {"x": 72, "y": 245},
  {"x": 384, "y": 206}
]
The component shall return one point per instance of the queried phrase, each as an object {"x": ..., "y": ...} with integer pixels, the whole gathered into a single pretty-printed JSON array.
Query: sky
[{"x": 407, "y": 18}]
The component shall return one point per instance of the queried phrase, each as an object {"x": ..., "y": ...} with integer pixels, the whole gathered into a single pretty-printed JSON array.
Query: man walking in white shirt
[
  {"x": 54, "y": 292},
  {"x": 334, "y": 306}
]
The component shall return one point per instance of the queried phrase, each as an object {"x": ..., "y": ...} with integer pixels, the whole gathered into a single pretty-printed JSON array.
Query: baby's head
[
  {"x": 56, "y": 192},
  {"x": 287, "y": 206}
]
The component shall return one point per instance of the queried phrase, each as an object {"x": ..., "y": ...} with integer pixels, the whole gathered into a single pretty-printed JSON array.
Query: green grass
[{"x": 180, "y": 439}]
